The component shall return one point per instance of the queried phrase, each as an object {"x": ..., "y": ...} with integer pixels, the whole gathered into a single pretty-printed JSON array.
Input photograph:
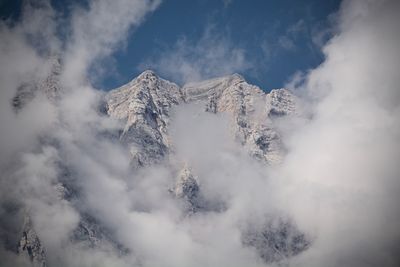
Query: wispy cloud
[
  {"x": 227, "y": 2},
  {"x": 288, "y": 41},
  {"x": 213, "y": 54},
  {"x": 97, "y": 32},
  {"x": 343, "y": 160}
]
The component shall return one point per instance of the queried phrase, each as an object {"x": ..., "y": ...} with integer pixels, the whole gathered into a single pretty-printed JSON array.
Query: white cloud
[
  {"x": 44, "y": 138},
  {"x": 342, "y": 164},
  {"x": 97, "y": 32},
  {"x": 286, "y": 43},
  {"x": 339, "y": 182},
  {"x": 276, "y": 44}
]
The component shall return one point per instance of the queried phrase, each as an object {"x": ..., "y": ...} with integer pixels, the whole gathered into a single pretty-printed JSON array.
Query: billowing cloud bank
[
  {"x": 342, "y": 169},
  {"x": 339, "y": 181}
]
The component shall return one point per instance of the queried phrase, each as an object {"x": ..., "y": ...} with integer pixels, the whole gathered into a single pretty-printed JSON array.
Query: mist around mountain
[{"x": 217, "y": 172}]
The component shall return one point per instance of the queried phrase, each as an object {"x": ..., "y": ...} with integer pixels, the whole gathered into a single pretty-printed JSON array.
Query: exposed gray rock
[
  {"x": 30, "y": 246},
  {"x": 145, "y": 103},
  {"x": 275, "y": 240},
  {"x": 281, "y": 102},
  {"x": 91, "y": 233},
  {"x": 188, "y": 190},
  {"x": 49, "y": 86},
  {"x": 253, "y": 112}
]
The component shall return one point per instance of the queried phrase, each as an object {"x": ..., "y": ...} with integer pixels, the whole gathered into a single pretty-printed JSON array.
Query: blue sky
[{"x": 265, "y": 41}]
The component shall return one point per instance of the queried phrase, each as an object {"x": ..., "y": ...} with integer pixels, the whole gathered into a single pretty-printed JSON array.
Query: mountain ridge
[
  {"x": 227, "y": 94},
  {"x": 144, "y": 106}
]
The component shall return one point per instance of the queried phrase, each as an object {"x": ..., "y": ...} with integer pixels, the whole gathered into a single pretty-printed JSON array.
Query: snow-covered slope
[
  {"x": 144, "y": 103},
  {"x": 250, "y": 108}
]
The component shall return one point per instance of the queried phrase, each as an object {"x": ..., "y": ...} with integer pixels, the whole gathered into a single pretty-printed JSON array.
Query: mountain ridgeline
[{"x": 145, "y": 107}]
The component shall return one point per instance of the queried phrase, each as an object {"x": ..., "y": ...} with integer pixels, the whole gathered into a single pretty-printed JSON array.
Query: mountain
[
  {"x": 144, "y": 107},
  {"x": 145, "y": 103}
]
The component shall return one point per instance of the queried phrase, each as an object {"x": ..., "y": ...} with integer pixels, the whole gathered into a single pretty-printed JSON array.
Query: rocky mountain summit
[
  {"x": 144, "y": 107},
  {"x": 145, "y": 103}
]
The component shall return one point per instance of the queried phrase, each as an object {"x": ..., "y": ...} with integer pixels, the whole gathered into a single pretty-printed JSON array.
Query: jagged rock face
[
  {"x": 49, "y": 86},
  {"x": 187, "y": 186},
  {"x": 252, "y": 111},
  {"x": 280, "y": 102},
  {"x": 145, "y": 104},
  {"x": 90, "y": 233},
  {"x": 275, "y": 240},
  {"x": 187, "y": 189},
  {"x": 30, "y": 246}
]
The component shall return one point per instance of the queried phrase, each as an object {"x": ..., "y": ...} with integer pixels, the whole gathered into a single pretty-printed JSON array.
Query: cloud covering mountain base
[{"x": 331, "y": 200}]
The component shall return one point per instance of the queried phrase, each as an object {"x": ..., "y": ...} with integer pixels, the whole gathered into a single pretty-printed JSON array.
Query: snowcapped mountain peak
[
  {"x": 145, "y": 103},
  {"x": 199, "y": 90},
  {"x": 147, "y": 75},
  {"x": 236, "y": 76}
]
